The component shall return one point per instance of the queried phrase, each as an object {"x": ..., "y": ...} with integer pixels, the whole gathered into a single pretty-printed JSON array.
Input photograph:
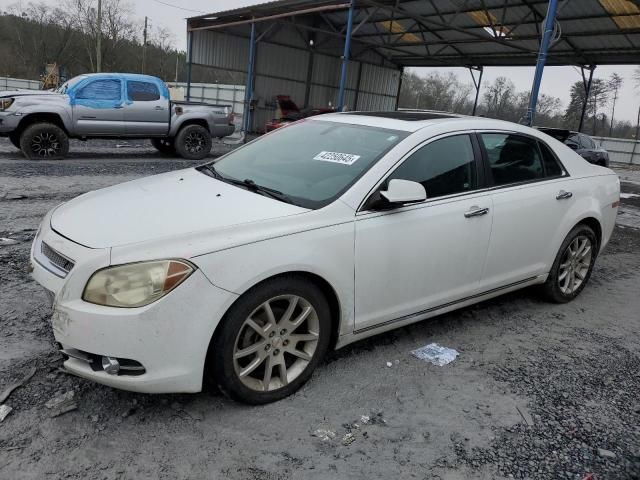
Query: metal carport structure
[{"x": 353, "y": 52}]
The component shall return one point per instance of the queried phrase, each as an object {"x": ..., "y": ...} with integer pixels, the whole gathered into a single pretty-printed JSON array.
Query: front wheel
[
  {"x": 44, "y": 141},
  {"x": 193, "y": 142},
  {"x": 573, "y": 265},
  {"x": 271, "y": 340},
  {"x": 15, "y": 140}
]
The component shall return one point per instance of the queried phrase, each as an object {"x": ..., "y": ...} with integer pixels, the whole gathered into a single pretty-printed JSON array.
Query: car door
[
  {"x": 146, "y": 112},
  {"x": 421, "y": 256},
  {"x": 531, "y": 195},
  {"x": 97, "y": 108}
]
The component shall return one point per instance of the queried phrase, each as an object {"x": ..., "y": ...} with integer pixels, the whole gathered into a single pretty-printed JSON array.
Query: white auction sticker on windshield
[{"x": 337, "y": 157}]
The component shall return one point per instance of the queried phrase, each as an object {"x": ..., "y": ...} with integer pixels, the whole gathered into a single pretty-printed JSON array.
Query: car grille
[{"x": 59, "y": 260}]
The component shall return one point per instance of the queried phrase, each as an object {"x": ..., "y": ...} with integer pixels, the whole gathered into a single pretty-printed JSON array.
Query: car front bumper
[{"x": 169, "y": 338}]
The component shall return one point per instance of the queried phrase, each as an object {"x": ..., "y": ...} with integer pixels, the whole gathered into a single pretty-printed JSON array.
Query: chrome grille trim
[{"x": 56, "y": 258}]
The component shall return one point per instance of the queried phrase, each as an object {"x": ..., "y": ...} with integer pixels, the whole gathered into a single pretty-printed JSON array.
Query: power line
[{"x": 179, "y": 8}]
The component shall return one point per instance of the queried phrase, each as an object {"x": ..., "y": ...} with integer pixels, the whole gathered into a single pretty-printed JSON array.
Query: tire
[
  {"x": 15, "y": 140},
  {"x": 559, "y": 287},
  {"x": 164, "y": 146},
  {"x": 44, "y": 141},
  {"x": 193, "y": 142},
  {"x": 275, "y": 346}
]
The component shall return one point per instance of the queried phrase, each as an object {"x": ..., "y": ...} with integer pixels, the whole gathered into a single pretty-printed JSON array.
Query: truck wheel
[
  {"x": 42, "y": 141},
  {"x": 164, "y": 145},
  {"x": 193, "y": 142},
  {"x": 15, "y": 140}
]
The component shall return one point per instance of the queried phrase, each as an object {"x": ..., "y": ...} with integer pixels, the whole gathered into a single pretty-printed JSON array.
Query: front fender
[{"x": 326, "y": 252}]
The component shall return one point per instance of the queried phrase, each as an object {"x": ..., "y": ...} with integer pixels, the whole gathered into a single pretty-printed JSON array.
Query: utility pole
[
  {"x": 99, "y": 39},
  {"x": 144, "y": 43}
]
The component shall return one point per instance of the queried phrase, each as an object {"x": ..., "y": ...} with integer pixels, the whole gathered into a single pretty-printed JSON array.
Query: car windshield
[
  {"x": 311, "y": 162},
  {"x": 65, "y": 86}
]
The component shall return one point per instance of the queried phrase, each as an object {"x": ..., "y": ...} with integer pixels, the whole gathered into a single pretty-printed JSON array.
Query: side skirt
[{"x": 362, "y": 333}]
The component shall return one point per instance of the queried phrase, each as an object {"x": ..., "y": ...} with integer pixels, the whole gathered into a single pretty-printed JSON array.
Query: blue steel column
[
  {"x": 190, "y": 58},
  {"x": 345, "y": 58},
  {"x": 248, "y": 94},
  {"x": 542, "y": 58}
]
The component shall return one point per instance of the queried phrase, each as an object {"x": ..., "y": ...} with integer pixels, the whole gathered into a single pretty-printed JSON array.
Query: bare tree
[{"x": 615, "y": 83}]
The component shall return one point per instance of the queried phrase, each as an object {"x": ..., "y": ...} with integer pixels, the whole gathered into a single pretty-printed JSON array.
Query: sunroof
[{"x": 409, "y": 116}]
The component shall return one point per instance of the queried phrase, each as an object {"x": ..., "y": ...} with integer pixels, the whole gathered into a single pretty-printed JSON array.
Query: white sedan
[{"x": 245, "y": 272}]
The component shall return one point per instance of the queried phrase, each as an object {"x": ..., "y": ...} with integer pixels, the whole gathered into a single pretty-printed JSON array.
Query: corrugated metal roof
[{"x": 450, "y": 32}]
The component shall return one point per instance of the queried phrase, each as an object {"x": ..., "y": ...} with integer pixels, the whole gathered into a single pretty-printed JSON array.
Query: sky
[{"x": 556, "y": 80}]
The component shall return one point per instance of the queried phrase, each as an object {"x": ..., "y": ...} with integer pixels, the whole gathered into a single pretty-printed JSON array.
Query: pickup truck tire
[
  {"x": 193, "y": 142},
  {"x": 44, "y": 141},
  {"x": 15, "y": 140},
  {"x": 165, "y": 146}
]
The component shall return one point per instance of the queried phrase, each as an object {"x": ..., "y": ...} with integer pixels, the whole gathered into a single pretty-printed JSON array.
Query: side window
[
  {"x": 100, "y": 90},
  {"x": 443, "y": 167},
  {"x": 551, "y": 166},
  {"x": 142, "y": 91},
  {"x": 512, "y": 158}
]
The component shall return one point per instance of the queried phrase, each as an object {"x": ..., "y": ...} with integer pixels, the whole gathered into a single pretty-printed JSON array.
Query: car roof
[
  {"x": 414, "y": 120},
  {"x": 128, "y": 76}
]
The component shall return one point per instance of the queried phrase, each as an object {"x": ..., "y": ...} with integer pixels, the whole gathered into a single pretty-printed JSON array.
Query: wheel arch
[
  {"x": 48, "y": 117},
  {"x": 595, "y": 225},
  {"x": 175, "y": 129}
]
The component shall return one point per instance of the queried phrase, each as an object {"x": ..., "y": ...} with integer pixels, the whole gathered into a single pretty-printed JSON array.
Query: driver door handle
[
  {"x": 159, "y": 108},
  {"x": 476, "y": 212},
  {"x": 562, "y": 195}
]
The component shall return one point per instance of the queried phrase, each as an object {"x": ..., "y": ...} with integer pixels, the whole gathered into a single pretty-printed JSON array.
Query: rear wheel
[
  {"x": 44, "y": 141},
  {"x": 193, "y": 142},
  {"x": 573, "y": 265},
  {"x": 271, "y": 340},
  {"x": 164, "y": 145}
]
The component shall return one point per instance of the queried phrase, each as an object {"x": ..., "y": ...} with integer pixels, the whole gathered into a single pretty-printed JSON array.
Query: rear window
[{"x": 142, "y": 91}]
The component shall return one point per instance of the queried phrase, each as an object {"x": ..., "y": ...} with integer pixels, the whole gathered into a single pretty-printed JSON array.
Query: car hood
[
  {"x": 166, "y": 205},
  {"x": 27, "y": 93}
]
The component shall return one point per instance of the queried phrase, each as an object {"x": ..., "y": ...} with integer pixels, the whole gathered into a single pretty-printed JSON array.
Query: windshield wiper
[
  {"x": 270, "y": 192},
  {"x": 249, "y": 185}
]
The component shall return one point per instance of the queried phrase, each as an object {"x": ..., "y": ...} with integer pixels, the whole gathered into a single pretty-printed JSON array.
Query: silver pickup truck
[{"x": 110, "y": 105}]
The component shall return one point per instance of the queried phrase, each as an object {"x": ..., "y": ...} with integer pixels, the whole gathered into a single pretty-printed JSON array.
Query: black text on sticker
[{"x": 337, "y": 157}]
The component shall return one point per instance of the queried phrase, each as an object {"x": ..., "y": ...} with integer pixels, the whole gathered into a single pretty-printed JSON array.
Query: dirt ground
[{"x": 539, "y": 390}]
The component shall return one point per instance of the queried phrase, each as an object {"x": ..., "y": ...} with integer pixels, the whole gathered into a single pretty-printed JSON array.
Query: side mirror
[{"x": 399, "y": 192}]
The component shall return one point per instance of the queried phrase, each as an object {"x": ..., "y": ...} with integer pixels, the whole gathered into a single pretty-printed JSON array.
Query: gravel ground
[{"x": 539, "y": 390}]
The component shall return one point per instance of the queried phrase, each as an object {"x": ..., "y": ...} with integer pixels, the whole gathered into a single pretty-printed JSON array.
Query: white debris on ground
[
  {"x": 435, "y": 354},
  {"x": 348, "y": 439},
  {"x": 324, "y": 435},
  {"x": 8, "y": 241},
  {"x": 4, "y": 411}
]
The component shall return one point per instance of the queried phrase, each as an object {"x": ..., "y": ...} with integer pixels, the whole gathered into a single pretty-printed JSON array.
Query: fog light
[{"x": 110, "y": 365}]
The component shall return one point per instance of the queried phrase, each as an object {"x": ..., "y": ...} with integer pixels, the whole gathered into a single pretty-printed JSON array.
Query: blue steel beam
[
  {"x": 345, "y": 57},
  {"x": 542, "y": 58}
]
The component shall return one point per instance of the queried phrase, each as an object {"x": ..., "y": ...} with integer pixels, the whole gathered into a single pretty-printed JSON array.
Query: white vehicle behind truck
[{"x": 110, "y": 105}]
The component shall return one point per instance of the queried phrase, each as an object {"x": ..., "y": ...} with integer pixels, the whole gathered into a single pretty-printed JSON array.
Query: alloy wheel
[
  {"x": 276, "y": 343},
  {"x": 45, "y": 144},
  {"x": 194, "y": 142},
  {"x": 575, "y": 264}
]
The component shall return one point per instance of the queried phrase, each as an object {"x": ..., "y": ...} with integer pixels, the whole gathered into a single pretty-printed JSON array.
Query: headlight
[
  {"x": 5, "y": 103},
  {"x": 135, "y": 284}
]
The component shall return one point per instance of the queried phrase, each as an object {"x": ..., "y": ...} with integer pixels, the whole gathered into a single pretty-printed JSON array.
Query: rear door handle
[
  {"x": 562, "y": 195},
  {"x": 119, "y": 106},
  {"x": 159, "y": 108},
  {"x": 476, "y": 212}
]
